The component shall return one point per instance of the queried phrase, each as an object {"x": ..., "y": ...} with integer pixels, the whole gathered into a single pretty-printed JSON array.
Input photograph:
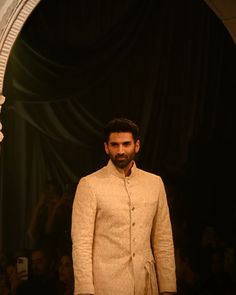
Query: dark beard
[{"x": 124, "y": 162}]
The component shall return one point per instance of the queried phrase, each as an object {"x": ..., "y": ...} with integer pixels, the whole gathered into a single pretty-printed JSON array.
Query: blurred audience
[
  {"x": 37, "y": 228},
  {"x": 42, "y": 275},
  {"x": 58, "y": 226},
  {"x": 66, "y": 274}
]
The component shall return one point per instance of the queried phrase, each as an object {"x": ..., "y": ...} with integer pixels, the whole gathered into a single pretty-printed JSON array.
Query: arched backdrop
[{"x": 76, "y": 65}]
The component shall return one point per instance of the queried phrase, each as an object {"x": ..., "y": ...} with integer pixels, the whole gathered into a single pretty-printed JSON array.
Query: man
[
  {"x": 121, "y": 229},
  {"x": 43, "y": 277}
]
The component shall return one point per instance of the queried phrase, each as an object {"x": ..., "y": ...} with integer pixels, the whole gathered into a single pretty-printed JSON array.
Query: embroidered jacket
[{"x": 122, "y": 235}]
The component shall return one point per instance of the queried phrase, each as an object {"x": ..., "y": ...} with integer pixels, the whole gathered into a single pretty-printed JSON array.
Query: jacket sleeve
[
  {"x": 162, "y": 244},
  {"x": 82, "y": 233}
]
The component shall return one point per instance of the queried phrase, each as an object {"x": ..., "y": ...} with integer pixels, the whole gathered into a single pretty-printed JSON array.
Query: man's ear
[
  {"x": 137, "y": 145},
  {"x": 106, "y": 148}
]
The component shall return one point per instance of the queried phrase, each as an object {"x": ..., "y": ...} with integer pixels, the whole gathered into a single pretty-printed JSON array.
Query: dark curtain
[{"x": 168, "y": 65}]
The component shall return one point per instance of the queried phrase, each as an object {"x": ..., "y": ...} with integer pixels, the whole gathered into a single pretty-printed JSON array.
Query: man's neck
[{"x": 127, "y": 169}]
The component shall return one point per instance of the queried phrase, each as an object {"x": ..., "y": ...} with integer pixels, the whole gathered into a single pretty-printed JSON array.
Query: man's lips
[{"x": 121, "y": 157}]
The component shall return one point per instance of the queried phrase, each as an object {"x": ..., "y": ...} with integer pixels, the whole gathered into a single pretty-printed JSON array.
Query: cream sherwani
[{"x": 121, "y": 234}]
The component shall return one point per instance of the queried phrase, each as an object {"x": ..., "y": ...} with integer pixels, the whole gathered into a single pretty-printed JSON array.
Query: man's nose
[{"x": 120, "y": 149}]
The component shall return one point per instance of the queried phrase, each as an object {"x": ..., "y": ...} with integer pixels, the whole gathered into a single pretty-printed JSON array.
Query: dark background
[{"x": 167, "y": 65}]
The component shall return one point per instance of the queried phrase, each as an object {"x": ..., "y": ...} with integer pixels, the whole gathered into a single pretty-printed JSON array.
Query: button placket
[
  {"x": 132, "y": 219},
  {"x": 133, "y": 225}
]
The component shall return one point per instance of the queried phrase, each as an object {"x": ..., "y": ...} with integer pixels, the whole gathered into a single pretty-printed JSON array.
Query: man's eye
[{"x": 127, "y": 143}]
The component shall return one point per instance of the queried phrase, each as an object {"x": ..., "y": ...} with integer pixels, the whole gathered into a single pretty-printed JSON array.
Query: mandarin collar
[{"x": 113, "y": 170}]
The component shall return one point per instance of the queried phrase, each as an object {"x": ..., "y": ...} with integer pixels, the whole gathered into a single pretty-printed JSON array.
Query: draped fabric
[{"x": 168, "y": 65}]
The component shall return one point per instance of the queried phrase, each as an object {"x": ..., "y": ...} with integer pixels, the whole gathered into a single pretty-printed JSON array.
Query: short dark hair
[{"x": 121, "y": 125}]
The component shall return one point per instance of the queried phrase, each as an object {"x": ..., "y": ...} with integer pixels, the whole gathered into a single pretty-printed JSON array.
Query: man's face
[
  {"x": 121, "y": 148},
  {"x": 39, "y": 263}
]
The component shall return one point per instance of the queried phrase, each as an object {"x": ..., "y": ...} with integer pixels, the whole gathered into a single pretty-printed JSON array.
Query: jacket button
[
  {"x": 133, "y": 223},
  {"x": 133, "y": 208},
  {"x": 133, "y": 254}
]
